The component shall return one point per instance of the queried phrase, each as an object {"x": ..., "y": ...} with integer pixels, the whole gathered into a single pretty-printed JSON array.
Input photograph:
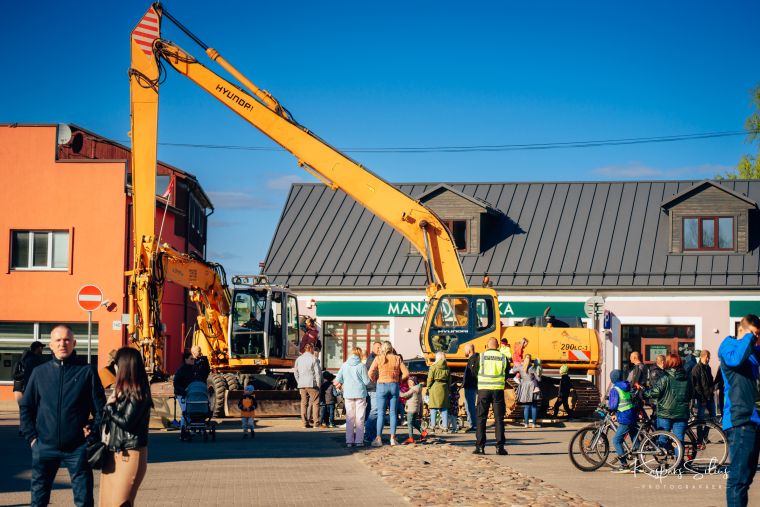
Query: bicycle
[
  {"x": 705, "y": 444},
  {"x": 654, "y": 451}
]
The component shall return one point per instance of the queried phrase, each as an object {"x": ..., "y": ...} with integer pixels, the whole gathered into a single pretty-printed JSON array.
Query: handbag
[{"x": 97, "y": 449}]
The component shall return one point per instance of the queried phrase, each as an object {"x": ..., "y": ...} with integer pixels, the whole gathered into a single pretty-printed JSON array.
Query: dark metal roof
[{"x": 552, "y": 235}]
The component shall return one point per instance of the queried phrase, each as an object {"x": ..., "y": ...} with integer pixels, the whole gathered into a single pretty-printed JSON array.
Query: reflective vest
[
  {"x": 493, "y": 370},
  {"x": 625, "y": 402},
  {"x": 506, "y": 350}
]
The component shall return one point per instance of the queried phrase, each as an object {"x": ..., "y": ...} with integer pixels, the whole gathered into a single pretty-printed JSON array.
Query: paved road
[{"x": 287, "y": 465}]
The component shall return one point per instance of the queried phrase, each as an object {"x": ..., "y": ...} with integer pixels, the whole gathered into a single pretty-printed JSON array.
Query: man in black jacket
[
  {"x": 470, "y": 384},
  {"x": 55, "y": 411},
  {"x": 702, "y": 383}
]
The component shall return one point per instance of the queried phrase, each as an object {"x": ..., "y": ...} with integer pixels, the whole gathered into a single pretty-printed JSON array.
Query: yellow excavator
[{"x": 456, "y": 313}]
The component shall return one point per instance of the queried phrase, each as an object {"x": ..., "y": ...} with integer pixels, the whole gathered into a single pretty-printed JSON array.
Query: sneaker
[
  {"x": 323, "y": 425},
  {"x": 393, "y": 441},
  {"x": 501, "y": 451},
  {"x": 409, "y": 440},
  {"x": 307, "y": 425},
  {"x": 349, "y": 445},
  {"x": 333, "y": 426},
  {"x": 423, "y": 435},
  {"x": 532, "y": 425},
  {"x": 377, "y": 442},
  {"x": 360, "y": 445},
  {"x": 479, "y": 450},
  {"x": 525, "y": 425}
]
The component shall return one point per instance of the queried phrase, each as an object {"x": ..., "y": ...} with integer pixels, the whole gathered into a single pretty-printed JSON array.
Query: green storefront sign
[
  {"x": 417, "y": 308},
  {"x": 742, "y": 308}
]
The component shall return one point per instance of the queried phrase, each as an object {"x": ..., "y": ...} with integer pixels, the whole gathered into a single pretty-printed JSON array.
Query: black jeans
[
  {"x": 486, "y": 398},
  {"x": 562, "y": 400},
  {"x": 743, "y": 449},
  {"x": 45, "y": 464}
]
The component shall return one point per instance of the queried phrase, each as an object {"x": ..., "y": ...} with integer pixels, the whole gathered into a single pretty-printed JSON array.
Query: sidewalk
[{"x": 285, "y": 465}]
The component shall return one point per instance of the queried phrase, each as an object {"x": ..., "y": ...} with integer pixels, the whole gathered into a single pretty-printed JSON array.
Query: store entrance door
[{"x": 340, "y": 338}]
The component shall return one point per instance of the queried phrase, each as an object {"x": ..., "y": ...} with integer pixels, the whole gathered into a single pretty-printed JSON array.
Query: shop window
[
  {"x": 653, "y": 340},
  {"x": 15, "y": 338},
  {"x": 340, "y": 338},
  {"x": 708, "y": 233},
  {"x": 40, "y": 250}
]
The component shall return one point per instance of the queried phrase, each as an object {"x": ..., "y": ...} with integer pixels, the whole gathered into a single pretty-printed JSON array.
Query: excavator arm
[
  {"x": 410, "y": 218},
  {"x": 464, "y": 313}
]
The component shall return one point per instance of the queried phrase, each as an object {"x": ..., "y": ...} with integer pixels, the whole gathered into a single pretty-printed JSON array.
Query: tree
[{"x": 749, "y": 165}]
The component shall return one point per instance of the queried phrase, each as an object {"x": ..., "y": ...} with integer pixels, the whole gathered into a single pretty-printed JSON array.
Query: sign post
[{"x": 89, "y": 299}]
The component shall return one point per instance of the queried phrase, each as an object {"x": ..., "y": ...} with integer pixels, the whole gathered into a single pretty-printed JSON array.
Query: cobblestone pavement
[{"x": 439, "y": 473}]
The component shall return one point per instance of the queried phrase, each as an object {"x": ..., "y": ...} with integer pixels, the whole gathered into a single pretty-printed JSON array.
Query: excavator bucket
[{"x": 271, "y": 403}]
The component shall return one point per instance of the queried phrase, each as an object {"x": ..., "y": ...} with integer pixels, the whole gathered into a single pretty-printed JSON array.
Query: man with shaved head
[
  {"x": 492, "y": 373},
  {"x": 55, "y": 412},
  {"x": 638, "y": 374}
]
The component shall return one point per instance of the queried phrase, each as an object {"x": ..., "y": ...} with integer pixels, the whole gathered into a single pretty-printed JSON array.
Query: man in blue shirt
[{"x": 741, "y": 422}]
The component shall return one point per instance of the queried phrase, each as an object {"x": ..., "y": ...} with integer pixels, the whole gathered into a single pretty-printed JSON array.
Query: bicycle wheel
[
  {"x": 589, "y": 449},
  {"x": 660, "y": 452},
  {"x": 705, "y": 446}
]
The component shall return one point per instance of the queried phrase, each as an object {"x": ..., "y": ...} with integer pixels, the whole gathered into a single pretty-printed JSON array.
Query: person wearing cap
[
  {"x": 247, "y": 406},
  {"x": 622, "y": 404},
  {"x": 563, "y": 395}
]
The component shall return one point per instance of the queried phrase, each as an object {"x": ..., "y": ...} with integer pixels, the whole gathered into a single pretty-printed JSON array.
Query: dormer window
[
  {"x": 711, "y": 218},
  {"x": 708, "y": 233}
]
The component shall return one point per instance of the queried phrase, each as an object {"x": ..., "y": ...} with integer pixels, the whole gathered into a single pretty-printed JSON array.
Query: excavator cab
[
  {"x": 458, "y": 317},
  {"x": 264, "y": 324}
]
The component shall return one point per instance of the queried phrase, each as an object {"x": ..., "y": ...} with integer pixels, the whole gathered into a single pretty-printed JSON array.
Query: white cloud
[
  {"x": 216, "y": 222},
  {"x": 637, "y": 170},
  {"x": 213, "y": 255},
  {"x": 283, "y": 182},
  {"x": 239, "y": 200}
]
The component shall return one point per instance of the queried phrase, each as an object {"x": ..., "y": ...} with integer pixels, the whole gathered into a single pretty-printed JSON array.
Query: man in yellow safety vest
[{"x": 492, "y": 373}]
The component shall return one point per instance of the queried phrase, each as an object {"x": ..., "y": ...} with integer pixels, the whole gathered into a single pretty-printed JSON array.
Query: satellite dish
[{"x": 64, "y": 134}]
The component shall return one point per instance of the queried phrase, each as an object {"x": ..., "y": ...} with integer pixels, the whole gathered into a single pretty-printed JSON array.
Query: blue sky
[{"x": 388, "y": 74}]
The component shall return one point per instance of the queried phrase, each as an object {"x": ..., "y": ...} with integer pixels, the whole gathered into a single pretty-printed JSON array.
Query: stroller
[{"x": 197, "y": 413}]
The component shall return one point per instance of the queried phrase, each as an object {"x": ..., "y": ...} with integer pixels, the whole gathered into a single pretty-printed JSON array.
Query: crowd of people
[{"x": 64, "y": 412}]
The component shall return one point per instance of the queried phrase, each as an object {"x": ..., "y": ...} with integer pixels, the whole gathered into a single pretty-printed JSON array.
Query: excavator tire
[
  {"x": 217, "y": 385},
  {"x": 233, "y": 382}
]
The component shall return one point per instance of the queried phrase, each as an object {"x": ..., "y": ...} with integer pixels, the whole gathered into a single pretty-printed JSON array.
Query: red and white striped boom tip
[{"x": 147, "y": 31}]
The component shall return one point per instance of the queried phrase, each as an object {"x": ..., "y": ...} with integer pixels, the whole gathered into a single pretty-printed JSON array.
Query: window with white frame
[{"x": 40, "y": 250}]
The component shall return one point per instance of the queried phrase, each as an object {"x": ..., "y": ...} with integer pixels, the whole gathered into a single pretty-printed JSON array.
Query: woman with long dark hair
[{"x": 126, "y": 416}]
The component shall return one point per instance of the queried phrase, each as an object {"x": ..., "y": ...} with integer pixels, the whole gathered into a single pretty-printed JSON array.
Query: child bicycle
[{"x": 653, "y": 451}]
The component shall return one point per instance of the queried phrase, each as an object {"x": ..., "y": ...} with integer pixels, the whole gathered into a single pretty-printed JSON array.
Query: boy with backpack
[{"x": 248, "y": 406}]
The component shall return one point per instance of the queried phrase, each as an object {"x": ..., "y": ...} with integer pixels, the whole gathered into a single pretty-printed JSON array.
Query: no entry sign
[{"x": 89, "y": 298}]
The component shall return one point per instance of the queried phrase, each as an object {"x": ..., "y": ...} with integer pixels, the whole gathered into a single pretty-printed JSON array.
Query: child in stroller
[{"x": 197, "y": 413}]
